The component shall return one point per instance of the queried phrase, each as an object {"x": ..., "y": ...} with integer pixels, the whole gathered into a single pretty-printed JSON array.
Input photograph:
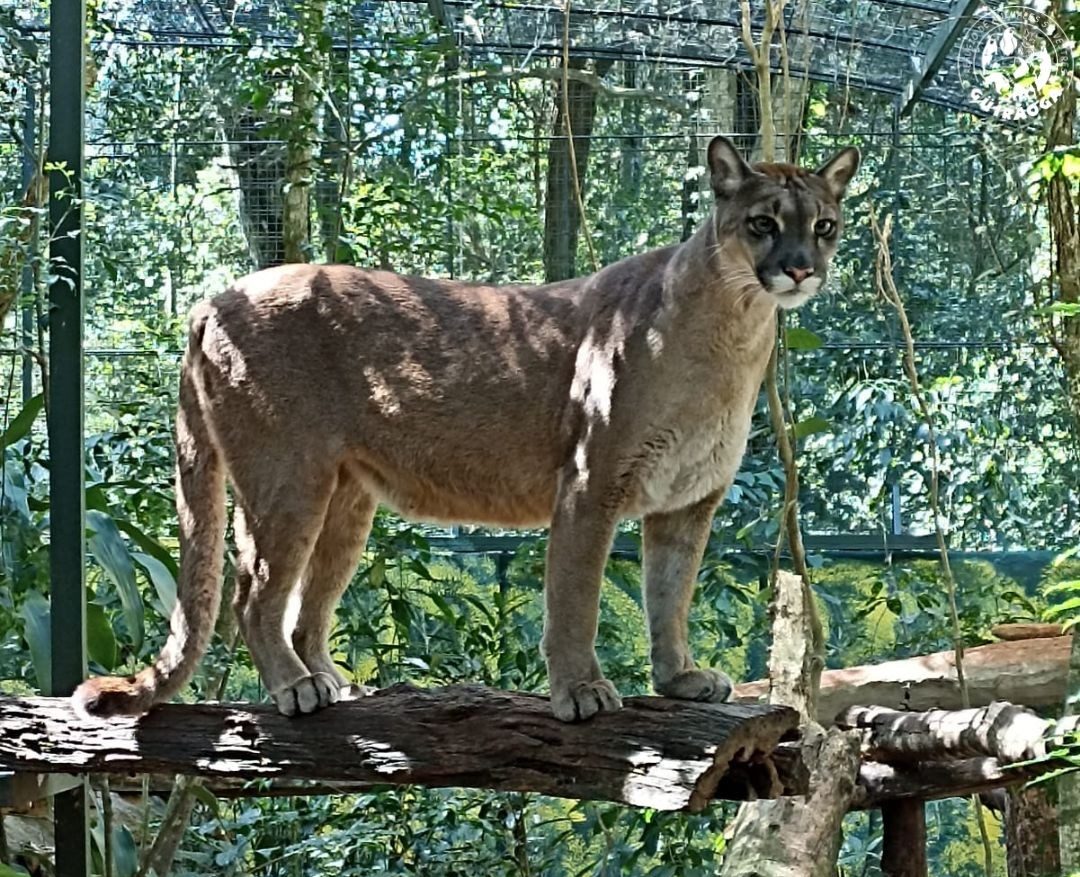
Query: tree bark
[
  {"x": 800, "y": 835},
  {"x": 664, "y": 754},
  {"x": 880, "y": 783},
  {"x": 903, "y": 850},
  {"x": 1030, "y": 672},
  {"x": 562, "y": 219},
  {"x": 259, "y": 162},
  {"x": 302, "y": 133},
  {"x": 793, "y": 677},
  {"x": 1031, "y": 833}
]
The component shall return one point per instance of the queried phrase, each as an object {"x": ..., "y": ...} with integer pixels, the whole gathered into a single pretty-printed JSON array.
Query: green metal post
[
  {"x": 29, "y": 168},
  {"x": 67, "y": 40}
]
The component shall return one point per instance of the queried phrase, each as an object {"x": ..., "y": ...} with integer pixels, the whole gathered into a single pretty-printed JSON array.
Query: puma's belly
[
  {"x": 458, "y": 495},
  {"x": 698, "y": 465}
]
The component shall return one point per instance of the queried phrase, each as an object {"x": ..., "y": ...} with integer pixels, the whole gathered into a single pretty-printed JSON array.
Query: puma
[{"x": 319, "y": 391}]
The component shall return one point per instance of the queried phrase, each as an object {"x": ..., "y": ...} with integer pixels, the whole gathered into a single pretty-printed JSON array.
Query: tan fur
[{"x": 324, "y": 390}]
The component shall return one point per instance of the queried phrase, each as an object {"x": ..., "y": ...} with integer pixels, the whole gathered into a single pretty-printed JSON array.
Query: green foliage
[{"x": 1061, "y": 587}]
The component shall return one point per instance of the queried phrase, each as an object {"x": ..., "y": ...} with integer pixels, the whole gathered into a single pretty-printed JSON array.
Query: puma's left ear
[
  {"x": 838, "y": 171},
  {"x": 727, "y": 170}
]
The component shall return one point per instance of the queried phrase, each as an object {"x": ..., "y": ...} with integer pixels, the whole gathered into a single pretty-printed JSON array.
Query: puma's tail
[{"x": 200, "y": 505}]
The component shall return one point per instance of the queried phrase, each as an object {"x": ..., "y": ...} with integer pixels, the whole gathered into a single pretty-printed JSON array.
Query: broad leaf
[
  {"x": 151, "y": 546},
  {"x": 23, "y": 421},
  {"x": 100, "y": 639},
  {"x": 798, "y": 338},
  {"x": 812, "y": 425},
  {"x": 36, "y": 632},
  {"x": 125, "y": 853},
  {"x": 111, "y": 552},
  {"x": 161, "y": 578}
]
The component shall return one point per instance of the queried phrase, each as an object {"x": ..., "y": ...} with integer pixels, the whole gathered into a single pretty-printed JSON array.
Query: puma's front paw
[
  {"x": 307, "y": 694},
  {"x": 697, "y": 684},
  {"x": 583, "y": 700}
]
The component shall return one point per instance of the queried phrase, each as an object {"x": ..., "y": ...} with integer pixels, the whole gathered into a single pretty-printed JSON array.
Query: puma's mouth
[{"x": 789, "y": 294}]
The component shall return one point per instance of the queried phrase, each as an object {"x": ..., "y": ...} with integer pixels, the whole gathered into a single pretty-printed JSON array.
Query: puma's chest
[{"x": 696, "y": 461}]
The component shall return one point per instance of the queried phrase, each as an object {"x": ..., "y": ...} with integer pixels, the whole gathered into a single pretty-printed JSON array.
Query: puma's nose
[{"x": 798, "y": 274}]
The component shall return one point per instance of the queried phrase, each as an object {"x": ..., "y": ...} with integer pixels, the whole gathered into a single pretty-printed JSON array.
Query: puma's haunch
[{"x": 319, "y": 391}]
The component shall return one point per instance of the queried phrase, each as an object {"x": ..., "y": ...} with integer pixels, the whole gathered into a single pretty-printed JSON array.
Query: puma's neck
[{"x": 710, "y": 287}]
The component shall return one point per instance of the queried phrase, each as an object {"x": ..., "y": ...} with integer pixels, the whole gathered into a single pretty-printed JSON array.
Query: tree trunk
[
  {"x": 903, "y": 850},
  {"x": 303, "y": 132},
  {"x": 1061, "y": 205},
  {"x": 798, "y": 835},
  {"x": 1031, "y": 833},
  {"x": 562, "y": 218},
  {"x": 260, "y": 168}
]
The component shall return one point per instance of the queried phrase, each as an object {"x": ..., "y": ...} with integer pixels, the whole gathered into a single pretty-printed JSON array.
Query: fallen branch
[{"x": 659, "y": 753}]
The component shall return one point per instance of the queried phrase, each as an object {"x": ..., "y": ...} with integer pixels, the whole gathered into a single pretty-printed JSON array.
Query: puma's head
[{"x": 787, "y": 219}]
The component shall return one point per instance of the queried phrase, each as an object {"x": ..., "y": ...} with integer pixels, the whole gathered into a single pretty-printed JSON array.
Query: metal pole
[
  {"x": 29, "y": 168},
  {"x": 67, "y": 40}
]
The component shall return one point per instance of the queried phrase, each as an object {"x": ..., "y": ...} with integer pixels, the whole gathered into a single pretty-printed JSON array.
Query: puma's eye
[
  {"x": 824, "y": 227},
  {"x": 762, "y": 225}
]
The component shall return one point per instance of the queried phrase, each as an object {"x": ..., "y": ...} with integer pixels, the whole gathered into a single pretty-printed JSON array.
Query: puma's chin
[{"x": 789, "y": 294}]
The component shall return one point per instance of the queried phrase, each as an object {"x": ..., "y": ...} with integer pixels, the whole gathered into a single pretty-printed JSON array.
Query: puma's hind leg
[
  {"x": 329, "y": 570},
  {"x": 276, "y": 530},
  {"x": 674, "y": 543}
]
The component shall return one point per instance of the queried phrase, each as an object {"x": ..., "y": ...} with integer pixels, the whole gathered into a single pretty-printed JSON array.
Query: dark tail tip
[{"x": 108, "y": 696}]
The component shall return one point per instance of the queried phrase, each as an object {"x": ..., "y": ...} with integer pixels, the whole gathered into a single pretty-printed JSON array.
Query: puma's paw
[
  {"x": 697, "y": 684},
  {"x": 583, "y": 700},
  {"x": 356, "y": 692},
  {"x": 307, "y": 694}
]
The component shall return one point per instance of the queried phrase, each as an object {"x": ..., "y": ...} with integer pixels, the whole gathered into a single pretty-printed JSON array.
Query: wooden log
[
  {"x": 1026, "y": 630},
  {"x": 1031, "y": 672},
  {"x": 659, "y": 753},
  {"x": 1003, "y": 731},
  {"x": 794, "y": 667},
  {"x": 903, "y": 848},
  {"x": 880, "y": 783}
]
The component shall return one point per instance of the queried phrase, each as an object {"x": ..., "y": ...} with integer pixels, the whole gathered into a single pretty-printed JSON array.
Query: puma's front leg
[
  {"x": 674, "y": 543},
  {"x": 577, "y": 552}
]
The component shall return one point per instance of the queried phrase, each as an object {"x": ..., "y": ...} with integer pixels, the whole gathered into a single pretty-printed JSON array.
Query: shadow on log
[{"x": 659, "y": 753}]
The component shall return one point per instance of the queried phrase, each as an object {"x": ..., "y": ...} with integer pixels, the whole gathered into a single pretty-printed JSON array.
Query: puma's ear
[
  {"x": 727, "y": 170},
  {"x": 838, "y": 171}
]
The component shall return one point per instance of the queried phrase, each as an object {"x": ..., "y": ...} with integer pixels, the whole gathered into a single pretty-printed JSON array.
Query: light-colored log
[{"x": 1030, "y": 672}]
